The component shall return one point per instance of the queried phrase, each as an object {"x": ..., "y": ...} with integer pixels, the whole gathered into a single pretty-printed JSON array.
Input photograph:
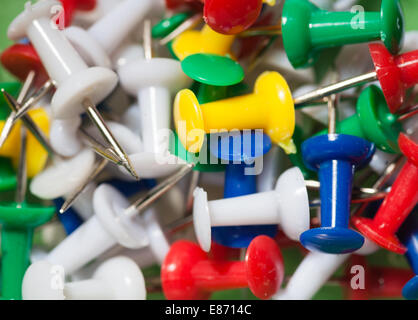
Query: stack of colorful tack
[{"x": 207, "y": 144}]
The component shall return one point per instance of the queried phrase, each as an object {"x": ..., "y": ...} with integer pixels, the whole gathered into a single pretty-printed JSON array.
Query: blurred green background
[{"x": 292, "y": 257}]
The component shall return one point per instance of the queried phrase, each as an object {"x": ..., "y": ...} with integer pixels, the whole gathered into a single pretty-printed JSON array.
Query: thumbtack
[
  {"x": 401, "y": 68},
  {"x": 397, "y": 205},
  {"x": 18, "y": 220},
  {"x": 204, "y": 41},
  {"x": 169, "y": 24},
  {"x": 314, "y": 271},
  {"x": 242, "y": 152},
  {"x": 118, "y": 278},
  {"x": 98, "y": 43},
  {"x": 153, "y": 90},
  {"x": 53, "y": 48},
  {"x": 308, "y": 29},
  {"x": 187, "y": 24},
  {"x": 335, "y": 157},
  {"x": 71, "y": 6},
  {"x": 188, "y": 274},
  {"x": 269, "y": 107},
  {"x": 115, "y": 221},
  {"x": 287, "y": 206}
]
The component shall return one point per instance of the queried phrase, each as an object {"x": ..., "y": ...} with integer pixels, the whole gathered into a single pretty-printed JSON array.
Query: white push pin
[
  {"x": 63, "y": 136},
  {"x": 153, "y": 81},
  {"x": 97, "y": 44},
  {"x": 118, "y": 278},
  {"x": 63, "y": 176},
  {"x": 315, "y": 270},
  {"x": 79, "y": 88},
  {"x": 109, "y": 226},
  {"x": 287, "y": 205}
]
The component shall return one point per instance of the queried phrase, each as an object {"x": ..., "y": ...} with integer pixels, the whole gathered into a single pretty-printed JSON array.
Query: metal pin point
[
  {"x": 147, "y": 40},
  {"x": 261, "y": 31},
  {"x": 98, "y": 168},
  {"x": 22, "y": 170},
  {"x": 334, "y": 88},
  {"x": 29, "y": 123},
  {"x": 33, "y": 100},
  {"x": 155, "y": 193},
  {"x": 8, "y": 125},
  {"x": 186, "y": 25},
  {"x": 97, "y": 119}
]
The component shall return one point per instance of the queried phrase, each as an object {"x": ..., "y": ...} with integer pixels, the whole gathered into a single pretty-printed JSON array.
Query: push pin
[
  {"x": 188, "y": 274},
  {"x": 395, "y": 74},
  {"x": 234, "y": 16},
  {"x": 408, "y": 234},
  {"x": 315, "y": 270},
  {"x": 269, "y": 107},
  {"x": 78, "y": 87},
  {"x": 335, "y": 157},
  {"x": 115, "y": 221},
  {"x": 71, "y": 6},
  {"x": 397, "y": 205},
  {"x": 204, "y": 41},
  {"x": 18, "y": 220},
  {"x": 373, "y": 121},
  {"x": 168, "y": 25},
  {"x": 242, "y": 152},
  {"x": 287, "y": 206},
  {"x": 97, "y": 44},
  {"x": 153, "y": 90},
  {"x": 307, "y": 29},
  {"x": 118, "y": 278},
  {"x": 176, "y": 4}
]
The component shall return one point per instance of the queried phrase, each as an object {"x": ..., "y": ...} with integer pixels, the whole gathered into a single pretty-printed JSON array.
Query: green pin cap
[
  {"x": 213, "y": 69},
  {"x": 18, "y": 223},
  {"x": 307, "y": 29},
  {"x": 168, "y": 25}
]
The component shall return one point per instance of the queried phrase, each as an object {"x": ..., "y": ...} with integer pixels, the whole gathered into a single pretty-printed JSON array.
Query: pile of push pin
[{"x": 132, "y": 117}]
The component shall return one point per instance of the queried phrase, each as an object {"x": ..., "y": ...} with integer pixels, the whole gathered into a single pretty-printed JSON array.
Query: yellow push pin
[
  {"x": 270, "y": 107},
  {"x": 36, "y": 154},
  {"x": 204, "y": 41}
]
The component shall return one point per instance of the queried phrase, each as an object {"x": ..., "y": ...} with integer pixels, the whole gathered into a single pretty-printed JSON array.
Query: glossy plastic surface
[
  {"x": 307, "y": 29},
  {"x": 167, "y": 25},
  {"x": 188, "y": 274},
  {"x": 335, "y": 157},
  {"x": 397, "y": 205},
  {"x": 395, "y": 73},
  {"x": 240, "y": 150},
  {"x": 70, "y": 6},
  {"x": 269, "y": 107},
  {"x": 373, "y": 121},
  {"x": 18, "y": 223},
  {"x": 20, "y": 59},
  {"x": 233, "y": 16}
]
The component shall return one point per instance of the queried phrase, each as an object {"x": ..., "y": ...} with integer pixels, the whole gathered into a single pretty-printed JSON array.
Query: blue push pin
[
  {"x": 335, "y": 157},
  {"x": 240, "y": 151},
  {"x": 408, "y": 235}
]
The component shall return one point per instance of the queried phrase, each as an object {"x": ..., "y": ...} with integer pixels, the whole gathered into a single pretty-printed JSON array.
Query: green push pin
[
  {"x": 168, "y": 25},
  {"x": 373, "y": 121},
  {"x": 212, "y": 69},
  {"x": 306, "y": 29},
  {"x": 18, "y": 220}
]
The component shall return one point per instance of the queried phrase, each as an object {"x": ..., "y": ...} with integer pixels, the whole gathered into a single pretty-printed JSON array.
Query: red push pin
[
  {"x": 395, "y": 73},
  {"x": 20, "y": 59},
  {"x": 380, "y": 282},
  {"x": 70, "y": 6},
  {"x": 397, "y": 205},
  {"x": 175, "y": 4},
  {"x": 188, "y": 274}
]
